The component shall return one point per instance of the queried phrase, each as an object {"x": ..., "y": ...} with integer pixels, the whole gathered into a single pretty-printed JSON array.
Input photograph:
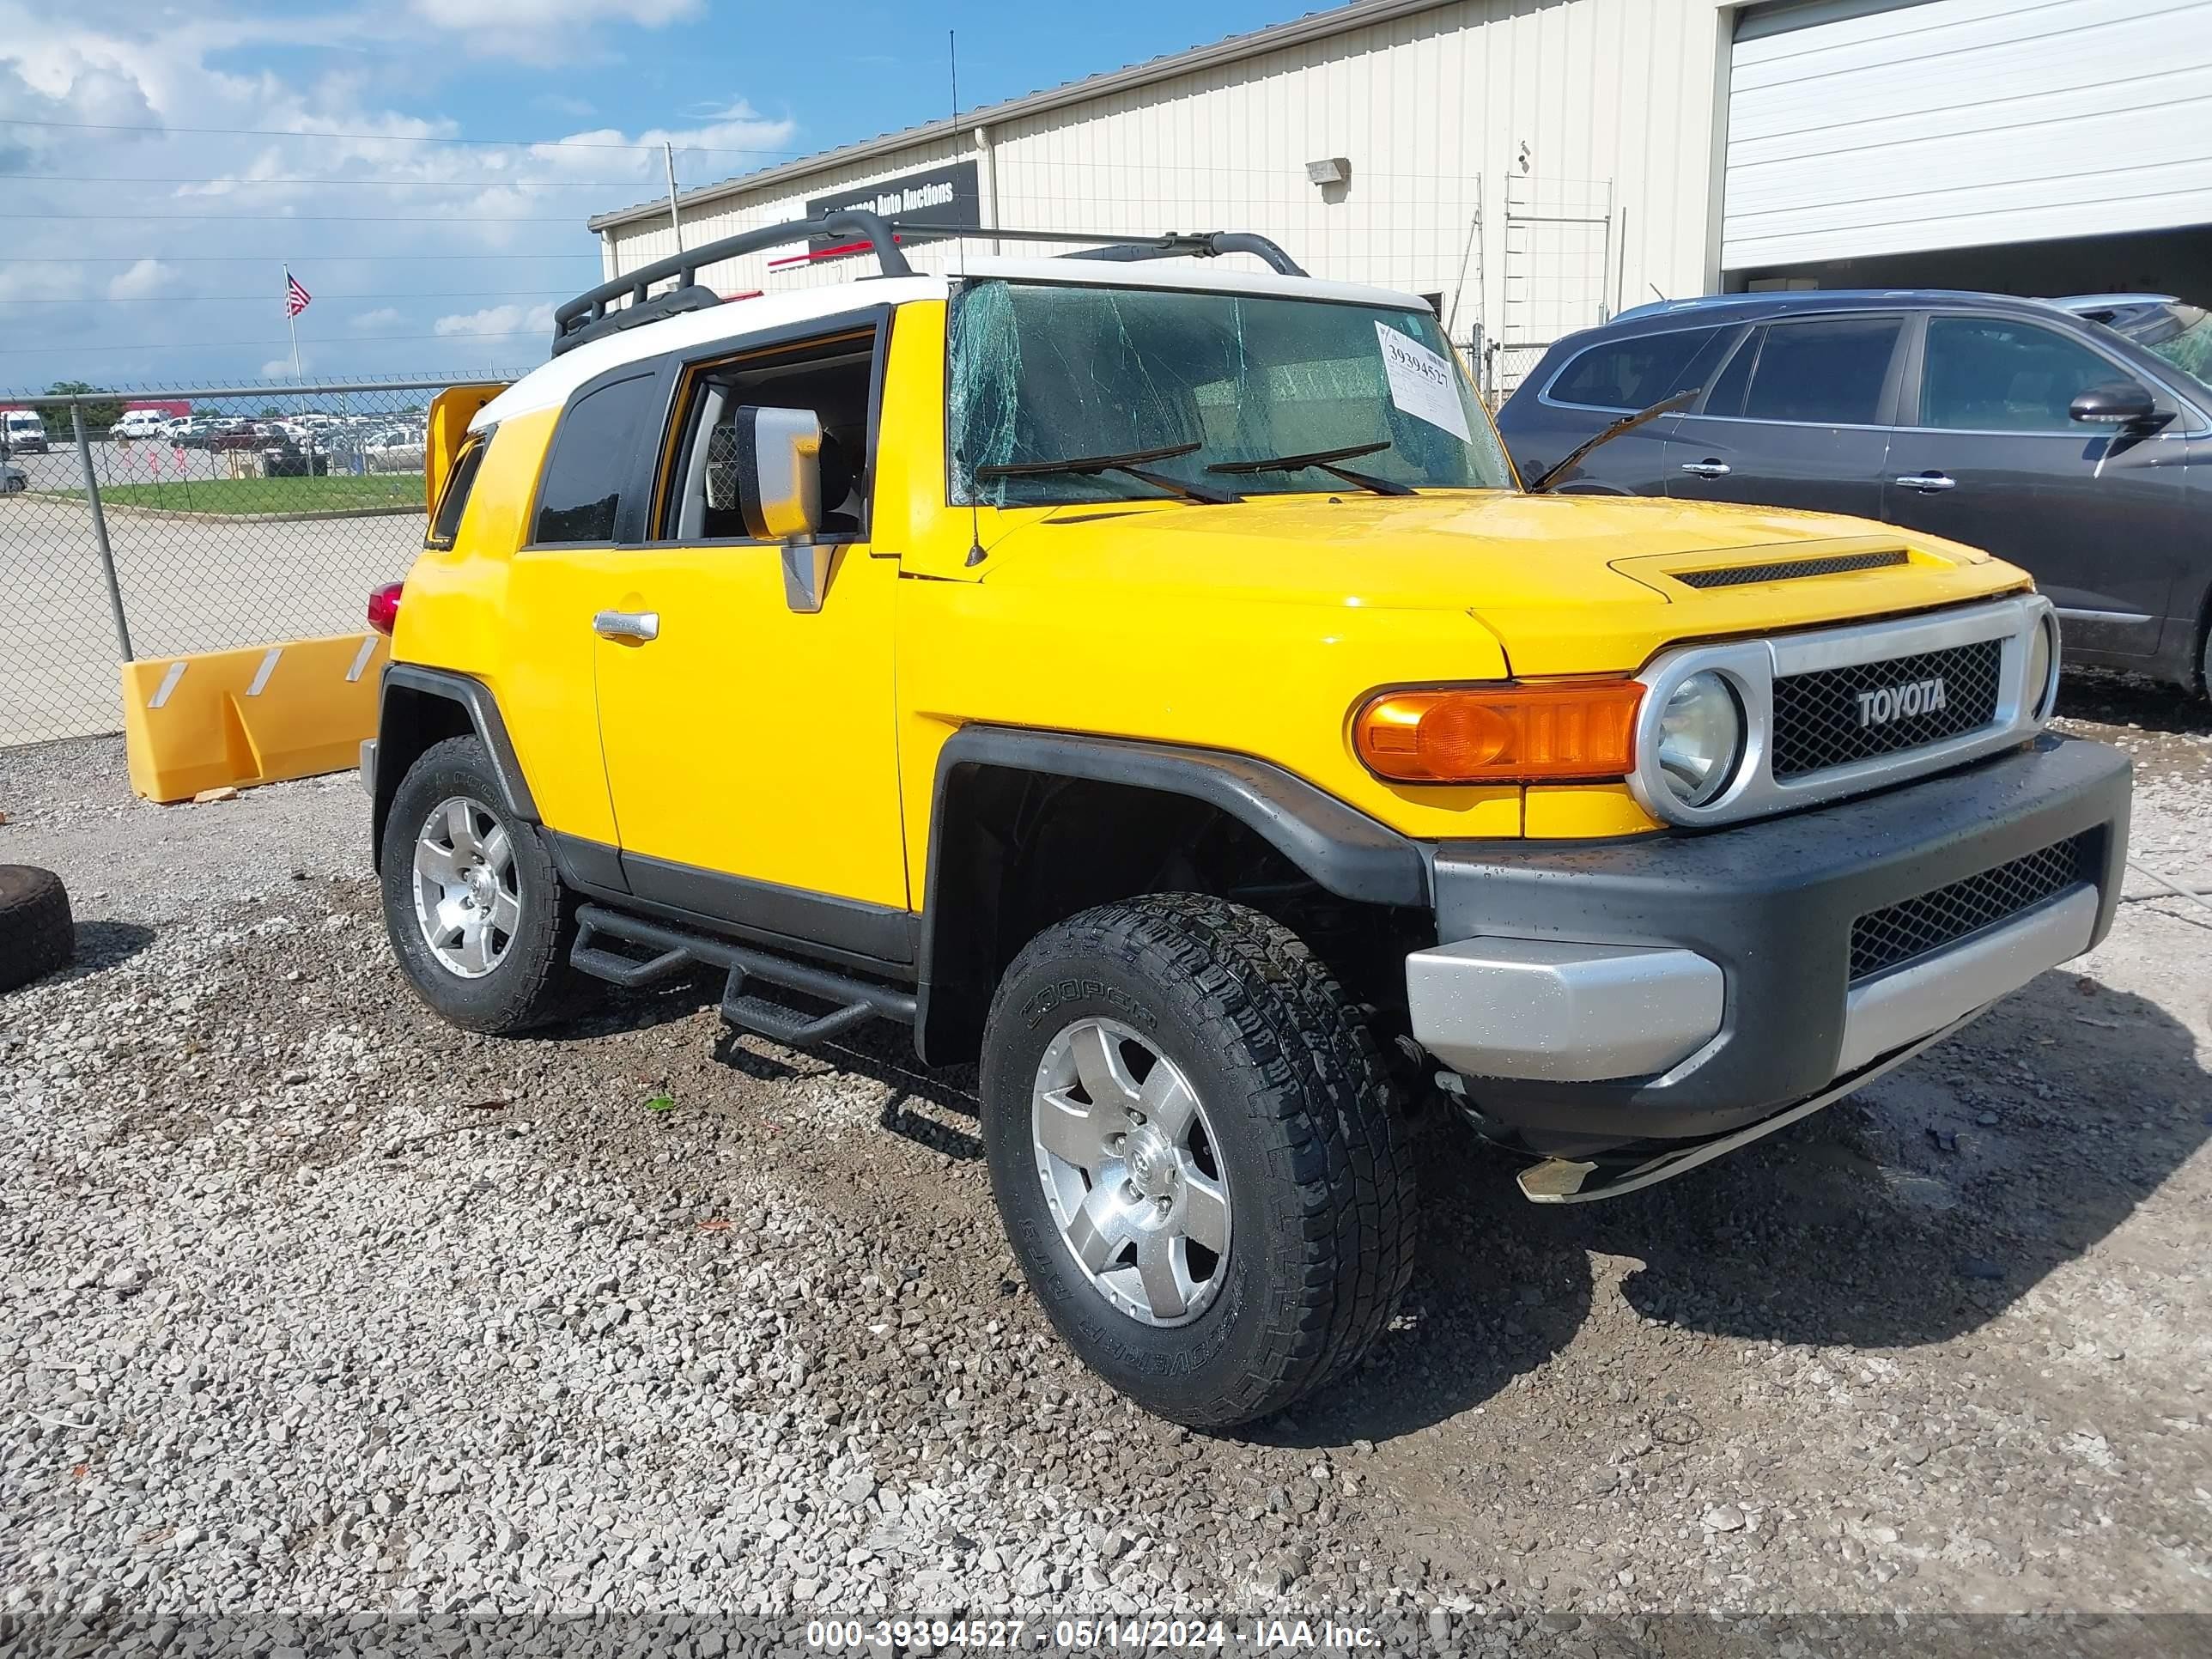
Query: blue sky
[{"x": 159, "y": 161}]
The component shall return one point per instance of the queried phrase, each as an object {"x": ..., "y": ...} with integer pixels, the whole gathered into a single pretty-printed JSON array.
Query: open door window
[{"x": 831, "y": 378}]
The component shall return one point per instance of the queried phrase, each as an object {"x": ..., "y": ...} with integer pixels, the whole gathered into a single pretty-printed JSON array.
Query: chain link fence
[
  {"x": 151, "y": 522},
  {"x": 1506, "y": 363}
]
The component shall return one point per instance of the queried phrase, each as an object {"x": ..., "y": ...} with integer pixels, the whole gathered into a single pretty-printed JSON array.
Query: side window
[
  {"x": 833, "y": 378},
  {"x": 1825, "y": 372},
  {"x": 1981, "y": 375},
  {"x": 453, "y": 499},
  {"x": 589, "y": 463},
  {"x": 1725, "y": 398},
  {"x": 1631, "y": 374}
]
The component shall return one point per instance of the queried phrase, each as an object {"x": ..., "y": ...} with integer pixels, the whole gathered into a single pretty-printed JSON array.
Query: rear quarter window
[
  {"x": 453, "y": 499},
  {"x": 1631, "y": 374}
]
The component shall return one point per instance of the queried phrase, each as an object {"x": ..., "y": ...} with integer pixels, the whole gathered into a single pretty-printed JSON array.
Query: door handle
[
  {"x": 640, "y": 625},
  {"x": 1707, "y": 468},
  {"x": 1928, "y": 484}
]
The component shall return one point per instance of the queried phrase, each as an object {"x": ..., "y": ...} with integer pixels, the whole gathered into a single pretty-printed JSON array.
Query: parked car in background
[
  {"x": 141, "y": 423},
  {"x": 2024, "y": 427},
  {"x": 22, "y": 433},
  {"x": 2177, "y": 331},
  {"x": 240, "y": 434}
]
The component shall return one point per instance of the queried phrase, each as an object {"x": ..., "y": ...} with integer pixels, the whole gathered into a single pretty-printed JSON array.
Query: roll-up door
[{"x": 1872, "y": 127}]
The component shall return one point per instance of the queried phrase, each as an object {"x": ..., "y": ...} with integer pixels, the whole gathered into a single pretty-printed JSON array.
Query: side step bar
[{"x": 675, "y": 950}]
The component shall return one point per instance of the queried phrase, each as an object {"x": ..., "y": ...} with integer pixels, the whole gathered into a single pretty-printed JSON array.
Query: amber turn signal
[{"x": 1547, "y": 730}]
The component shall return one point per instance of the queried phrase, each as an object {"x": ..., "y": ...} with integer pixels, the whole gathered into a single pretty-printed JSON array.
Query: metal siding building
[{"x": 1537, "y": 165}]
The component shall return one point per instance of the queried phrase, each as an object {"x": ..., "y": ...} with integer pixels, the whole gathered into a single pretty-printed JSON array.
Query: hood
[{"x": 1570, "y": 584}]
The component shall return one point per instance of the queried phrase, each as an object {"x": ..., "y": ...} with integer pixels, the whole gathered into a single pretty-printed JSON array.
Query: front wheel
[
  {"x": 473, "y": 906},
  {"x": 1192, "y": 1147}
]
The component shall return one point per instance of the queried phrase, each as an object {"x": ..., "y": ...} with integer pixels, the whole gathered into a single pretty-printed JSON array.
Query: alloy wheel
[
  {"x": 468, "y": 899},
  {"x": 1131, "y": 1172}
]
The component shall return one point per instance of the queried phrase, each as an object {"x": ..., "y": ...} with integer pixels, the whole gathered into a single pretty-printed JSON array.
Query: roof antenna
[{"x": 976, "y": 555}]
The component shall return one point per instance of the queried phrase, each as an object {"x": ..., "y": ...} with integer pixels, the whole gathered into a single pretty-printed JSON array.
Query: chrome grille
[
  {"x": 1886, "y": 939},
  {"x": 1816, "y": 716}
]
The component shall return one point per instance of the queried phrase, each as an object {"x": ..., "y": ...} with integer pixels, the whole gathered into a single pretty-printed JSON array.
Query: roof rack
[{"x": 587, "y": 317}]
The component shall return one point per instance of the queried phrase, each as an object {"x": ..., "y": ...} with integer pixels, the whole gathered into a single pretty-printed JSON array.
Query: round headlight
[
  {"x": 1700, "y": 738},
  {"x": 2041, "y": 684}
]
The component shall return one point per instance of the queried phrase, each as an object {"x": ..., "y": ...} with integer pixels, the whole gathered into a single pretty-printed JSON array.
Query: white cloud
[
  {"x": 543, "y": 30},
  {"x": 143, "y": 281},
  {"x": 498, "y": 320},
  {"x": 280, "y": 368},
  {"x": 418, "y": 216}
]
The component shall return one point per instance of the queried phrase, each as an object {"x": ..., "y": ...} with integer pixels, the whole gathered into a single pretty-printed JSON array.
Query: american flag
[{"x": 296, "y": 299}]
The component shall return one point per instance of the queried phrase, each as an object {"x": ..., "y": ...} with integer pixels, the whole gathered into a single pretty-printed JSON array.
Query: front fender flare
[{"x": 1342, "y": 849}]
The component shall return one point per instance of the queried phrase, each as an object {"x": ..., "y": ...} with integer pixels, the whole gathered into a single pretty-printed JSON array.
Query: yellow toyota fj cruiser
[{"x": 1152, "y": 680}]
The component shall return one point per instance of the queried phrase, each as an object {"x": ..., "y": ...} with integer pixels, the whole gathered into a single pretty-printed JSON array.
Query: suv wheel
[
  {"x": 475, "y": 910},
  {"x": 1193, "y": 1148}
]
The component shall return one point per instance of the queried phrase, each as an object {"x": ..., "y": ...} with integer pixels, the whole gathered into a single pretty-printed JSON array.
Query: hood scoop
[{"x": 1788, "y": 570}]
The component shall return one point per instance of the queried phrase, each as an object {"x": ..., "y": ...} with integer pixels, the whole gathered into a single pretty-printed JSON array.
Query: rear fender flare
[{"x": 419, "y": 706}]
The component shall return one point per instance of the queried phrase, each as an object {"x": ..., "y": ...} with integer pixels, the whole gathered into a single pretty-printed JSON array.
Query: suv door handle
[
  {"x": 1707, "y": 469},
  {"x": 640, "y": 625},
  {"x": 1928, "y": 484}
]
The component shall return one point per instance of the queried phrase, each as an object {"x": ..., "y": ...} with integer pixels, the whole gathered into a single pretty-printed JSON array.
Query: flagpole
[{"x": 292, "y": 327}]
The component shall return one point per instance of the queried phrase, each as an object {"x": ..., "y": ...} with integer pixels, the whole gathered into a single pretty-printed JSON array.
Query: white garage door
[{"x": 1858, "y": 129}]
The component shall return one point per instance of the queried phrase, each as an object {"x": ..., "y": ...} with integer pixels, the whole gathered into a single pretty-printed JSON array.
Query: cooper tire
[
  {"x": 1319, "y": 1214},
  {"x": 499, "y": 979},
  {"x": 37, "y": 935}
]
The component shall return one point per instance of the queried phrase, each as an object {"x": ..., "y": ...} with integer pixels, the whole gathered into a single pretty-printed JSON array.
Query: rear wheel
[
  {"x": 474, "y": 907},
  {"x": 1192, "y": 1147}
]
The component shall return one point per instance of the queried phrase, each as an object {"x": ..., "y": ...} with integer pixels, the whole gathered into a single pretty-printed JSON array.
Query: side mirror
[
  {"x": 775, "y": 465},
  {"x": 2119, "y": 402},
  {"x": 768, "y": 464}
]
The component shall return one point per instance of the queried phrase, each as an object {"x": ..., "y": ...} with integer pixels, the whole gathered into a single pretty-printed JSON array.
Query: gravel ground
[{"x": 313, "y": 1303}]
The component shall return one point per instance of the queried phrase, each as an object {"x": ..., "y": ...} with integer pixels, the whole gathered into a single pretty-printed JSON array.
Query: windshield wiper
[
  {"x": 1322, "y": 460},
  {"x": 1131, "y": 461},
  {"x": 1626, "y": 423}
]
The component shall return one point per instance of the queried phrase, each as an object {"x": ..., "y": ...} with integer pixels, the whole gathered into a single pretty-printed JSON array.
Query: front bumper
[{"x": 1678, "y": 986}]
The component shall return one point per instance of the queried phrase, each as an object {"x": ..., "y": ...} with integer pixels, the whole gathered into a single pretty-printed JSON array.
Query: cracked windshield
[{"x": 1092, "y": 394}]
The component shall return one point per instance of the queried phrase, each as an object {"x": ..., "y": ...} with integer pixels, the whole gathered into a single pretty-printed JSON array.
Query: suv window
[
  {"x": 1633, "y": 374},
  {"x": 1826, "y": 371},
  {"x": 833, "y": 378},
  {"x": 1984, "y": 375},
  {"x": 590, "y": 462},
  {"x": 453, "y": 500}
]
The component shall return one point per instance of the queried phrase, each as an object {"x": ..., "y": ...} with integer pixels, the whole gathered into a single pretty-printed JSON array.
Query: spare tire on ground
[{"x": 36, "y": 933}]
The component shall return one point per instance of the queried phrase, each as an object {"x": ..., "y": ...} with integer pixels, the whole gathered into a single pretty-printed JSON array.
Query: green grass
[{"x": 248, "y": 496}]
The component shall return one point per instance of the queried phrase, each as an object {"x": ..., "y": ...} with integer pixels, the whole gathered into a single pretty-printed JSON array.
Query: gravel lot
[{"x": 311, "y": 1302}]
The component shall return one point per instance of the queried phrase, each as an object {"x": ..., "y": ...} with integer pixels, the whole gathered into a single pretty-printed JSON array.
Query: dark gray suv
[{"x": 2019, "y": 426}]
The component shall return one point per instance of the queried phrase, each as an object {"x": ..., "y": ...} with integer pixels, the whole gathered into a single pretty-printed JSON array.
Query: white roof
[{"x": 551, "y": 385}]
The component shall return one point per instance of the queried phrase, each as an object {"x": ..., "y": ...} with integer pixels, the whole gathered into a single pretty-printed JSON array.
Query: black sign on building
[{"x": 946, "y": 195}]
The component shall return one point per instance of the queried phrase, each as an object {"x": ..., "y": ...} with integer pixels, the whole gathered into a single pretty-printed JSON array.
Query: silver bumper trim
[
  {"x": 1560, "y": 1011},
  {"x": 368, "y": 767},
  {"x": 1897, "y": 1007},
  {"x": 1567, "y": 1181}
]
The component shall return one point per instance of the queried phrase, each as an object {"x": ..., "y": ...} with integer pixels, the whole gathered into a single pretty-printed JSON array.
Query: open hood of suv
[{"x": 1570, "y": 584}]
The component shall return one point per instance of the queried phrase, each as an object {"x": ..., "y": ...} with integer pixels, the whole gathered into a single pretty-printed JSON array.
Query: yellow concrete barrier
[{"x": 234, "y": 718}]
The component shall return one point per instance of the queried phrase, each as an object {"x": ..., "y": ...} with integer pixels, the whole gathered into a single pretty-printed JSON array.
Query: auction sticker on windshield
[{"x": 1421, "y": 382}]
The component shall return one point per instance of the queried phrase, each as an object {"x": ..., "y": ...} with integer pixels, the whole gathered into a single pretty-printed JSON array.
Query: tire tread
[{"x": 1278, "y": 1010}]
